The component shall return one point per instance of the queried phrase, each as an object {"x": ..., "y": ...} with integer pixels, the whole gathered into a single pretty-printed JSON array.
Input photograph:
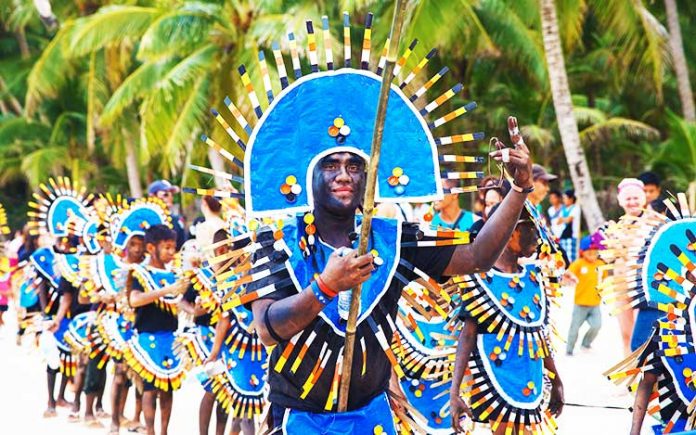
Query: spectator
[
  {"x": 492, "y": 197},
  {"x": 541, "y": 185},
  {"x": 401, "y": 211},
  {"x": 651, "y": 186},
  {"x": 632, "y": 199},
  {"x": 555, "y": 212},
  {"x": 212, "y": 212},
  {"x": 165, "y": 191},
  {"x": 570, "y": 219},
  {"x": 448, "y": 213},
  {"x": 583, "y": 274}
]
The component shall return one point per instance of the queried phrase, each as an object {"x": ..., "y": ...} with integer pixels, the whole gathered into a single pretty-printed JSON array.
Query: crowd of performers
[
  {"x": 453, "y": 326},
  {"x": 101, "y": 279}
]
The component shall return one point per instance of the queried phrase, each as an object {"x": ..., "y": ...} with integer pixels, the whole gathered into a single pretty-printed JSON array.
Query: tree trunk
[
  {"x": 677, "y": 49},
  {"x": 132, "y": 168},
  {"x": 23, "y": 44},
  {"x": 568, "y": 127},
  {"x": 14, "y": 102},
  {"x": 218, "y": 164}
]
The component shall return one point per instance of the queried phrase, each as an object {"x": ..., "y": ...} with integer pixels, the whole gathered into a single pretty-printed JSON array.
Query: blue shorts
[{"x": 363, "y": 420}]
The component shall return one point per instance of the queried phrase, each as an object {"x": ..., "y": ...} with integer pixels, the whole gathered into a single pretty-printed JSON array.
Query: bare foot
[
  {"x": 50, "y": 413},
  {"x": 131, "y": 424},
  {"x": 73, "y": 417},
  {"x": 63, "y": 403},
  {"x": 100, "y": 413},
  {"x": 93, "y": 423}
]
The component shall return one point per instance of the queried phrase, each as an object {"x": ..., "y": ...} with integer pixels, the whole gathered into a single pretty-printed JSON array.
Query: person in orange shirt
[{"x": 582, "y": 273}]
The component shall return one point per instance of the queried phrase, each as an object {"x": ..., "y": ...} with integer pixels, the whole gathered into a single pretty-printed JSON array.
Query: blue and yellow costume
[
  {"x": 318, "y": 114},
  {"x": 241, "y": 386},
  {"x": 660, "y": 275},
  {"x": 106, "y": 273},
  {"x": 150, "y": 350},
  {"x": 61, "y": 210}
]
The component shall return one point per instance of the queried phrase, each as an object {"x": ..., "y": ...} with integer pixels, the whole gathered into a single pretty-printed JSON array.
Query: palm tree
[
  {"x": 568, "y": 127},
  {"x": 677, "y": 49},
  {"x": 677, "y": 155}
]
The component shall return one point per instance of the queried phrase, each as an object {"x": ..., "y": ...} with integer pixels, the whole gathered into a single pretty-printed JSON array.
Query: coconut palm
[
  {"x": 677, "y": 50},
  {"x": 677, "y": 155},
  {"x": 568, "y": 127}
]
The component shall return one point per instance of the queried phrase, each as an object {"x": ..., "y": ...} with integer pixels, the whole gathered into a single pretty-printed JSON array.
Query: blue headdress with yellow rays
[
  {"x": 62, "y": 208},
  {"x": 126, "y": 218},
  {"x": 334, "y": 110}
]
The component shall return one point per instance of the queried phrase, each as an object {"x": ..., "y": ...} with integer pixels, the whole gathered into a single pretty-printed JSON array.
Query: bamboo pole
[{"x": 369, "y": 200}]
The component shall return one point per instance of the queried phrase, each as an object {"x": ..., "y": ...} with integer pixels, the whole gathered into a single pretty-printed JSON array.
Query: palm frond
[
  {"x": 110, "y": 25},
  {"x": 604, "y": 132},
  {"x": 22, "y": 129},
  {"x": 197, "y": 64},
  {"x": 571, "y": 18},
  {"x": 170, "y": 121},
  {"x": 538, "y": 136},
  {"x": 679, "y": 150},
  {"x": 137, "y": 85},
  {"x": 432, "y": 24},
  {"x": 640, "y": 39},
  {"x": 68, "y": 126},
  {"x": 180, "y": 31},
  {"x": 51, "y": 71},
  {"x": 520, "y": 44},
  {"x": 588, "y": 116},
  {"x": 52, "y": 160}
]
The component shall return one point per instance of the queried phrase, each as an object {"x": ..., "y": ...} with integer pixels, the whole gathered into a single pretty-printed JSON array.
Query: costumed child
[
  {"x": 107, "y": 275},
  {"x": 244, "y": 374},
  {"x": 202, "y": 319},
  {"x": 583, "y": 274},
  {"x": 155, "y": 294},
  {"x": 70, "y": 309},
  {"x": 661, "y": 277},
  {"x": 43, "y": 278},
  {"x": 503, "y": 347}
]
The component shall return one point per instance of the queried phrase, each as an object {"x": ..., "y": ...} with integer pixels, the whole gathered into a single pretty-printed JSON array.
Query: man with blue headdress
[{"x": 307, "y": 154}]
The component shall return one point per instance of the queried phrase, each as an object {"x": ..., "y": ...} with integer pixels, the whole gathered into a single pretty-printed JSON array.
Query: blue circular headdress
[
  {"x": 62, "y": 209},
  {"x": 127, "y": 219},
  {"x": 331, "y": 111},
  {"x": 657, "y": 250},
  {"x": 657, "y": 272}
]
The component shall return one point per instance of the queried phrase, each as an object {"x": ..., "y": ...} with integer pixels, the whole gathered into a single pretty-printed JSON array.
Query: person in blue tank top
[{"x": 449, "y": 215}]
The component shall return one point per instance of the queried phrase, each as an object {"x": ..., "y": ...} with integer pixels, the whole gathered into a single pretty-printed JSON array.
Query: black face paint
[
  {"x": 338, "y": 183},
  {"x": 528, "y": 238}
]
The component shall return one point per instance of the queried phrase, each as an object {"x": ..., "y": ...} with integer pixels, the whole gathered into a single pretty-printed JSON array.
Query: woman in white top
[
  {"x": 633, "y": 201},
  {"x": 212, "y": 212}
]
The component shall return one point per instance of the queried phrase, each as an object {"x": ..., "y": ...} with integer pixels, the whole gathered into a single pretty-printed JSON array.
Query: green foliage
[{"x": 143, "y": 74}]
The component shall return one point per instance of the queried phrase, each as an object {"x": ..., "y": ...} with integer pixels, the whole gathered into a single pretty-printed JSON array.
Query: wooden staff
[{"x": 369, "y": 200}]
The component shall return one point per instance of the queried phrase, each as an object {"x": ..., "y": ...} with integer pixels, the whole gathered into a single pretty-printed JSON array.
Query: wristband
[
  {"x": 320, "y": 295},
  {"x": 520, "y": 189},
  {"x": 328, "y": 291},
  {"x": 272, "y": 332}
]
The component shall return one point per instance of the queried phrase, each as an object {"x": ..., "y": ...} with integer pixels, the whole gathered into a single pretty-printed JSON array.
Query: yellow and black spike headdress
[
  {"x": 62, "y": 208},
  {"x": 333, "y": 110}
]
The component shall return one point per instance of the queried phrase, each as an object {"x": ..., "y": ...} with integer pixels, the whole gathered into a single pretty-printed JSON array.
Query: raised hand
[{"x": 516, "y": 160}]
